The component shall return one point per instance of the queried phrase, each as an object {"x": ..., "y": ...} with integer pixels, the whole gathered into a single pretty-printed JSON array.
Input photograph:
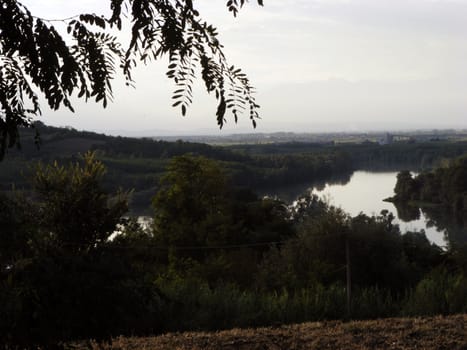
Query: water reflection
[
  {"x": 407, "y": 213},
  {"x": 455, "y": 227},
  {"x": 436, "y": 218},
  {"x": 289, "y": 194}
]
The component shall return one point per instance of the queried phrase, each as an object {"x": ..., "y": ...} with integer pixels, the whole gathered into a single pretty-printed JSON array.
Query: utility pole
[{"x": 348, "y": 275}]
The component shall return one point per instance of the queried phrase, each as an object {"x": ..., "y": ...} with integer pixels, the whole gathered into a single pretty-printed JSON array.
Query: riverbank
[{"x": 449, "y": 332}]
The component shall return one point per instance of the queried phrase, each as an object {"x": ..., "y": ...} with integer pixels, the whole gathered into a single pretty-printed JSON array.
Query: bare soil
[{"x": 439, "y": 332}]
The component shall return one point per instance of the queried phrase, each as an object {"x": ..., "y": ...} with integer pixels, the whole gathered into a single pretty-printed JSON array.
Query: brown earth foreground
[{"x": 439, "y": 332}]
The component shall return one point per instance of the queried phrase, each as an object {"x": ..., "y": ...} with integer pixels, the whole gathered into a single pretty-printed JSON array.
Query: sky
[{"x": 317, "y": 65}]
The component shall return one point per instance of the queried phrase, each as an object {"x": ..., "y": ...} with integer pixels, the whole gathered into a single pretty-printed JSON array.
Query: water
[{"x": 365, "y": 193}]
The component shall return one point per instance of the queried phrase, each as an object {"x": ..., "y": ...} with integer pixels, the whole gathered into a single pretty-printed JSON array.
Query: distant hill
[
  {"x": 132, "y": 163},
  {"x": 59, "y": 142}
]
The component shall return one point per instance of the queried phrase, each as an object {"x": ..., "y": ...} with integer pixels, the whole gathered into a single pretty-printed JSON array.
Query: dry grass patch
[{"x": 397, "y": 333}]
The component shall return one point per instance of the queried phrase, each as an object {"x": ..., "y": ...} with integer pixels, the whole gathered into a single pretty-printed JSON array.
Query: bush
[{"x": 438, "y": 293}]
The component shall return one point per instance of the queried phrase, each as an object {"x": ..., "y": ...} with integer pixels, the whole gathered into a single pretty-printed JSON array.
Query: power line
[
  {"x": 56, "y": 19},
  {"x": 198, "y": 247},
  {"x": 213, "y": 247}
]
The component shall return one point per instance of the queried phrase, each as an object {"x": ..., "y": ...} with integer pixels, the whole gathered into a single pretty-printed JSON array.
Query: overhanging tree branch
[{"x": 36, "y": 59}]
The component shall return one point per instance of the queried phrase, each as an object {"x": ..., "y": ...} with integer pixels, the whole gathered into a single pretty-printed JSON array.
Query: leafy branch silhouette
[{"x": 37, "y": 60}]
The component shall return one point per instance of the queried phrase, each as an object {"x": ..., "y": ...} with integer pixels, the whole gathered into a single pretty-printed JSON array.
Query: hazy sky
[{"x": 318, "y": 65}]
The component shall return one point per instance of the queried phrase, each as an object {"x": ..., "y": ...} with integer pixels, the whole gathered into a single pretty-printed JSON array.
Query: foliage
[
  {"x": 54, "y": 274},
  {"x": 440, "y": 292},
  {"x": 405, "y": 186},
  {"x": 198, "y": 214},
  {"x": 446, "y": 186},
  {"x": 227, "y": 306},
  {"x": 191, "y": 202},
  {"x": 379, "y": 255},
  {"x": 37, "y": 60},
  {"x": 74, "y": 209},
  {"x": 16, "y": 233},
  {"x": 57, "y": 297}
]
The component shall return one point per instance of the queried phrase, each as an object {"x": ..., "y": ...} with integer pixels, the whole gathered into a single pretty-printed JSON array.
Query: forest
[{"x": 75, "y": 265}]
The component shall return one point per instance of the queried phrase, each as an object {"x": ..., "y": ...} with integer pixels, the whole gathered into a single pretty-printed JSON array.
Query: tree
[
  {"x": 59, "y": 277},
  {"x": 36, "y": 59},
  {"x": 192, "y": 206},
  {"x": 67, "y": 210},
  {"x": 75, "y": 210},
  {"x": 405, "y": 186}
]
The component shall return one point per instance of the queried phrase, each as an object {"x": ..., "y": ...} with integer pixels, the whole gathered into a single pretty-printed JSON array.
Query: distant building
[{"x": 387, "y": 139}]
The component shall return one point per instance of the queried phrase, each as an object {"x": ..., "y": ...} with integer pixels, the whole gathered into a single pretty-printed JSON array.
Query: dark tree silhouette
[{"x": 36, "y": 59}]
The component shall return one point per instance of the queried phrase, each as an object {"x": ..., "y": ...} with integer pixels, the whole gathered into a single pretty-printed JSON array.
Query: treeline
[
  {"x": 400, "y": 155},
  {"x": 369, "y": 155},
  {"x": 59, "y": 141},
  {"x": 125, "y": 147},
  {"x": 215, "y": 256},
  {"x": 277, "y": 170}
]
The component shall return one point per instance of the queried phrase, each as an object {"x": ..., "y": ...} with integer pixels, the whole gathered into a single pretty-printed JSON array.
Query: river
[{"x": 365, "y": 191}]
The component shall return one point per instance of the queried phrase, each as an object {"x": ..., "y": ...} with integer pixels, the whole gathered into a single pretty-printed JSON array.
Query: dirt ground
[{"x": 439, "y": 332}]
